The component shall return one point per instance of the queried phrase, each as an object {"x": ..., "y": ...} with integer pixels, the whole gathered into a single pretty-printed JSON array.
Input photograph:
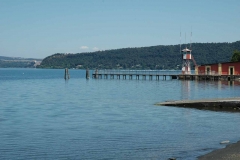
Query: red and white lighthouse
[{"x": 187, "y": 57}]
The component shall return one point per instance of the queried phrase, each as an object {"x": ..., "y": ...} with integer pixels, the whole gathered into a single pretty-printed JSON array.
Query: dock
[
  {"x": 134, "y": 74},
  {"x": 158, "y": 74},
  {"x": 223, "y": 104}
]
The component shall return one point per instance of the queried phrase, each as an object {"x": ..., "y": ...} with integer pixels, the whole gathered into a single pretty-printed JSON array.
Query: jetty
[
  {"x": 134, "y": 74},
  {"x": 223, "y": 104},
  {"x": 158, "y": 74}
]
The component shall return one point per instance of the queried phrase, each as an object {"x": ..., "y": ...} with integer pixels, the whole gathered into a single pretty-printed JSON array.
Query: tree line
[
  {"x": 236, "y": 56},
  {"x": 153, "y": 57}
]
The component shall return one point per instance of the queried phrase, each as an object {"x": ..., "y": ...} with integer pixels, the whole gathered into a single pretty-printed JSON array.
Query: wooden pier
[
  {"x": 134, "y": 74},
  {"x": 157, "y": 74}
]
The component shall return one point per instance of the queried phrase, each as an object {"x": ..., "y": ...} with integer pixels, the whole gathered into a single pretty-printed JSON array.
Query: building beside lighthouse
[{"x": 225, "y": 68}]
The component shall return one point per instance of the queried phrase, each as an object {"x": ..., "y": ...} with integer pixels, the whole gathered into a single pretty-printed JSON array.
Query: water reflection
[
  {"x": 218, "y": 84},
  {"x": 186, "y": 90},
  {"x": 192, "y": 89}
]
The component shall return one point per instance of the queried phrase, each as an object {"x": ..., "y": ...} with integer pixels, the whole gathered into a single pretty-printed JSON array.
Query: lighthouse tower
[{"x": 187, "y": 57}]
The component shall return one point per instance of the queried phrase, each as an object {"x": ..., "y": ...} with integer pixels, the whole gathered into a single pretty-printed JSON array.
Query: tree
[{"x": 236, "y": 56}]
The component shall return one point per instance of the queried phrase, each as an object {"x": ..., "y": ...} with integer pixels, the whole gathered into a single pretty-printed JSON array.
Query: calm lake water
[{"x": 42, "y": 116}]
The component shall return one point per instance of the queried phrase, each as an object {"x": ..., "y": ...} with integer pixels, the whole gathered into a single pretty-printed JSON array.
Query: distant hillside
[
  {"x": 17, "y": 62},
  {"x": 154, "y": 57},
  {"x": 18, "y": 58}
]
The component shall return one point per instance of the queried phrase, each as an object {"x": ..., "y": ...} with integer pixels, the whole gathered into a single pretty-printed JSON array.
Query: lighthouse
[{"x": 186, "y": 57}]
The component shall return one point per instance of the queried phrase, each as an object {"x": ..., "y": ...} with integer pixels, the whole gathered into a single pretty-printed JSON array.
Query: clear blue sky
[{"x": 39, "y": 28}]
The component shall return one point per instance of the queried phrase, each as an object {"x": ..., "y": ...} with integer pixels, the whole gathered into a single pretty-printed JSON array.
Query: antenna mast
[
  {"x": 191, "y": 40},
  {"x": 180, "y": 41},
  {"x": 185, "y": 40},
  {"x": 187, "y": 57}
]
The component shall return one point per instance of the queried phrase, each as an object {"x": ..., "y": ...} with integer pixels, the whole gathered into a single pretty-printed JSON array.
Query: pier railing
[
  {"x": 208, "y": 73},
  {"x": 138, "y": 72}
]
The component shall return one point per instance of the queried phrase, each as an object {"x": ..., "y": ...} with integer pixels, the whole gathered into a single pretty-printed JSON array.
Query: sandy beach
[{"x": 231, "y": 152}]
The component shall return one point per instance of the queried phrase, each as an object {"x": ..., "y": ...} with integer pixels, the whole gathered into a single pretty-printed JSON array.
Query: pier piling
[
  {"x": 96, "y": 74},
  {"x": 66, "y": 75},
  {"x": 87, "y": 73}
]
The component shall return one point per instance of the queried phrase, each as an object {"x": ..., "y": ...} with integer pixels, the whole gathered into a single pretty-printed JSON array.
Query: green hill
[{"x": 154, "y": 57}]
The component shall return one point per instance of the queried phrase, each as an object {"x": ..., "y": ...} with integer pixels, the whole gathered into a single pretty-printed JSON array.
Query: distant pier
[{"x": 157, "y": 74}]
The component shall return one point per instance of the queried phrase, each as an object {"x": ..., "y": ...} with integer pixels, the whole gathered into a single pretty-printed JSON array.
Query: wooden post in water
[
  {"x": 150, "y": 77},
  {"x": 96, "y": 73},
  {"x": 66, "y": 75},
  {"x": 87, "y": 73},
  {"x": 130, "y": 76}
]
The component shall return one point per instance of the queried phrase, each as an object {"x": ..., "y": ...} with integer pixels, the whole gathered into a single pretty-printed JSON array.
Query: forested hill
[{"x": 154, "y": 57}]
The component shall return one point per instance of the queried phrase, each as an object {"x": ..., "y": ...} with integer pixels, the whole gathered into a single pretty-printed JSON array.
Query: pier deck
[{"x": 149, "y": 74}]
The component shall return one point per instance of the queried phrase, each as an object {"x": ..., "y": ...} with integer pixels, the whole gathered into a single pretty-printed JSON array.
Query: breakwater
[{"x": 223, "y": 104}]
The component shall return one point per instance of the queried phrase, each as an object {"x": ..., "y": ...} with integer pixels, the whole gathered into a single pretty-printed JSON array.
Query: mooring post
[
  {"x": 66, "y": 75},
  {"x": 96, "y": 73},
  {"x": 87, "y": 73}
]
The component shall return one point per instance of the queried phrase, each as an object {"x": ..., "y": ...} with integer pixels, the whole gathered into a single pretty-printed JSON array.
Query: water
[{"x": 42, "y": 116}]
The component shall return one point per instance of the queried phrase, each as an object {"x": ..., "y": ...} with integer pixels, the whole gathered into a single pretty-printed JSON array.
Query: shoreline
[{"x": 230, "y": 152}]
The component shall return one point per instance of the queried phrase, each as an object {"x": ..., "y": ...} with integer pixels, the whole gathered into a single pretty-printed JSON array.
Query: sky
[{"x": 40, "y": 28}]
